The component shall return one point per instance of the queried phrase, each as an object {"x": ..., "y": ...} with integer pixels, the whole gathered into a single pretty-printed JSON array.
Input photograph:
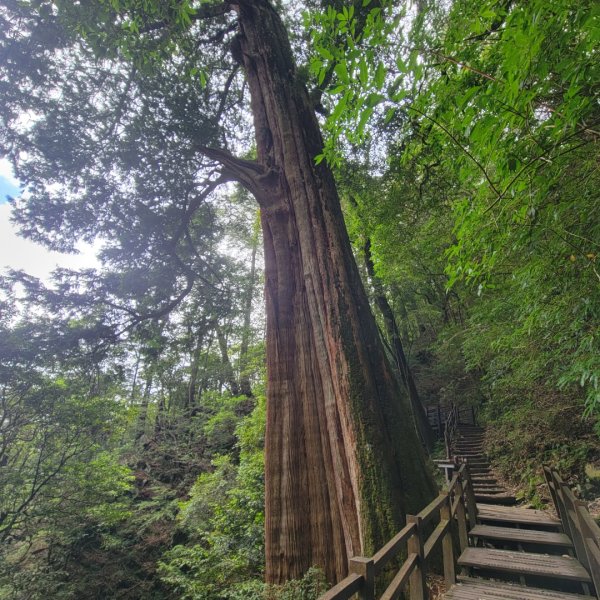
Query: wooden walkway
[
  {"x": 506, "y": 552},
  {"x": 524, "y": 546}
]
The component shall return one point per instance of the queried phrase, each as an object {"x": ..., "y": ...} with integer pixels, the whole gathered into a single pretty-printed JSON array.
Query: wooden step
[
  {"x": 484, "y": 480},
  {"x": 509, "y": 514},
  {"x": 521, "y": 536},
  {"x": 504, "y": 499},
  {"x": 468, "y": 588},
  {"x": 488, "y": 490},
  {"x": 525, "y": 563},
  {"x": 488, "y": 486}
]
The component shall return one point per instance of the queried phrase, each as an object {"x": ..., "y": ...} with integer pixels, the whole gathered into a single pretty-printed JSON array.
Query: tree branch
[{"x": 252, "y": 175}]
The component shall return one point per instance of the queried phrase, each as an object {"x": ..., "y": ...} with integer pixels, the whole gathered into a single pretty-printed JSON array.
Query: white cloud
[{"x": 18, "y": 253}]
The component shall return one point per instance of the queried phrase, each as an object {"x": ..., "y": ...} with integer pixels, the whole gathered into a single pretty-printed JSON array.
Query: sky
[{"x": 18, "y": 253}]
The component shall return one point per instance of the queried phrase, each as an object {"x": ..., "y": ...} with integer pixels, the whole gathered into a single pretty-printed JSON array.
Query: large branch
[{"x": 256, "y": 178}]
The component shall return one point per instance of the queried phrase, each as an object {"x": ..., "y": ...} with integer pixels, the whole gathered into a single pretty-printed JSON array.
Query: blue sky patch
[{"x": 7, "y": 189}]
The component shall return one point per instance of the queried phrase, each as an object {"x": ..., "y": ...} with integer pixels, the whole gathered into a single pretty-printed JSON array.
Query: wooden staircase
[
  {"x": 533, "y": 550},
  {"x": 506, "y": 552},
  {"x": 468, "y": 446}
]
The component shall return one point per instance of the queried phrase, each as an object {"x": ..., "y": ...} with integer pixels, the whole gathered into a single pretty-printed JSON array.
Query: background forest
[{"x": 464, "y": 138}]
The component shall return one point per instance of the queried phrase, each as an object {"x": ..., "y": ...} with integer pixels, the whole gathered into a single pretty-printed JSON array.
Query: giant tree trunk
[{"x": 343, "y": 463}]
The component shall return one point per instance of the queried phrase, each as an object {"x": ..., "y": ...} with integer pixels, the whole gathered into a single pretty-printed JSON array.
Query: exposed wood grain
[
  {"x": 525, "y": 563},
  {"x": 525, "y": 536},
  {"x": 478, "y": 589},
  {"x": 526, "y": 516}
]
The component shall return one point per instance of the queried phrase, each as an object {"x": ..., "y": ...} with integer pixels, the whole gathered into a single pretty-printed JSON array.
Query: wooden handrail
[
  {"x": 577, "y": 524},
  {"x": 450, "y": 505},
  {"x": 390, "y": 550},
  {"x": 345, "y": 589},
  {"x": 399, "y": 582}
]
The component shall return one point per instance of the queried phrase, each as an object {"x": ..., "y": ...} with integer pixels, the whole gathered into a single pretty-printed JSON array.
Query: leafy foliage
[{"x": 223, "y": 521}]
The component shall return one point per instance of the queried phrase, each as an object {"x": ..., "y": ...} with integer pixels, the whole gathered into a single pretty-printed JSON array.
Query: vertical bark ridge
[{"x": 342, "y": 465}]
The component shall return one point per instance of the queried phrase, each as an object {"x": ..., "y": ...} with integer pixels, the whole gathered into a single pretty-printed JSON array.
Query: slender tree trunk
[
  {"x": 142, "y": 417},
  {"x": 245, "y": 387},
  {"x": 194, "y": 371},
  {"x": 343, "y": 463},
  {"x": 393, "y": 334},
  {"x": 228, "y": 374}
]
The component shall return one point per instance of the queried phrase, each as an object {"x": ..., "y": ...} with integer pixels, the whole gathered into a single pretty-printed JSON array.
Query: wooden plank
[
  {"x": 433, "y": 540},
  {"x": 525, "y": 536},
  {"x": 345, "y": 589},
  {"x": 503, "y": 499},
  {"x": 431, "y": 509},
  {"x": 397, "y": 585},
  {"x": 480, "y": 589},
  {"x": 525, "y": 563},
  {"x": 509, "y": 514},
  {"x": 489, "y": 486},
  {"x": 389, "y": 551}
]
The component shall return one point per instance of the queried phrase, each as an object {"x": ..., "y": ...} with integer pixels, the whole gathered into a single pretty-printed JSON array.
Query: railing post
[
  {"x": 447, "y": 545},
  {"x": 366, "y": 568},
  {"x": 461, "y": 519},
  {"x": 470, "y": 494},
  {"x": 418, "y": 586}
]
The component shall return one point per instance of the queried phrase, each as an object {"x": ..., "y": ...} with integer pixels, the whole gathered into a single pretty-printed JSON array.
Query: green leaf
[
  {"x": 339, "y": 108},
  {"x": 342, "y": 72},
  {"x": 363, "y": 73},
  {"x": 380, "y": 76}
]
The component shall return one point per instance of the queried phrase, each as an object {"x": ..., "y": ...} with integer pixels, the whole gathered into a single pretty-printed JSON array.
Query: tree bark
[
  {"x": 391, "y": 329},
  {"x": 343, "y": 464},
  {"x": 141, "y": 422}
]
